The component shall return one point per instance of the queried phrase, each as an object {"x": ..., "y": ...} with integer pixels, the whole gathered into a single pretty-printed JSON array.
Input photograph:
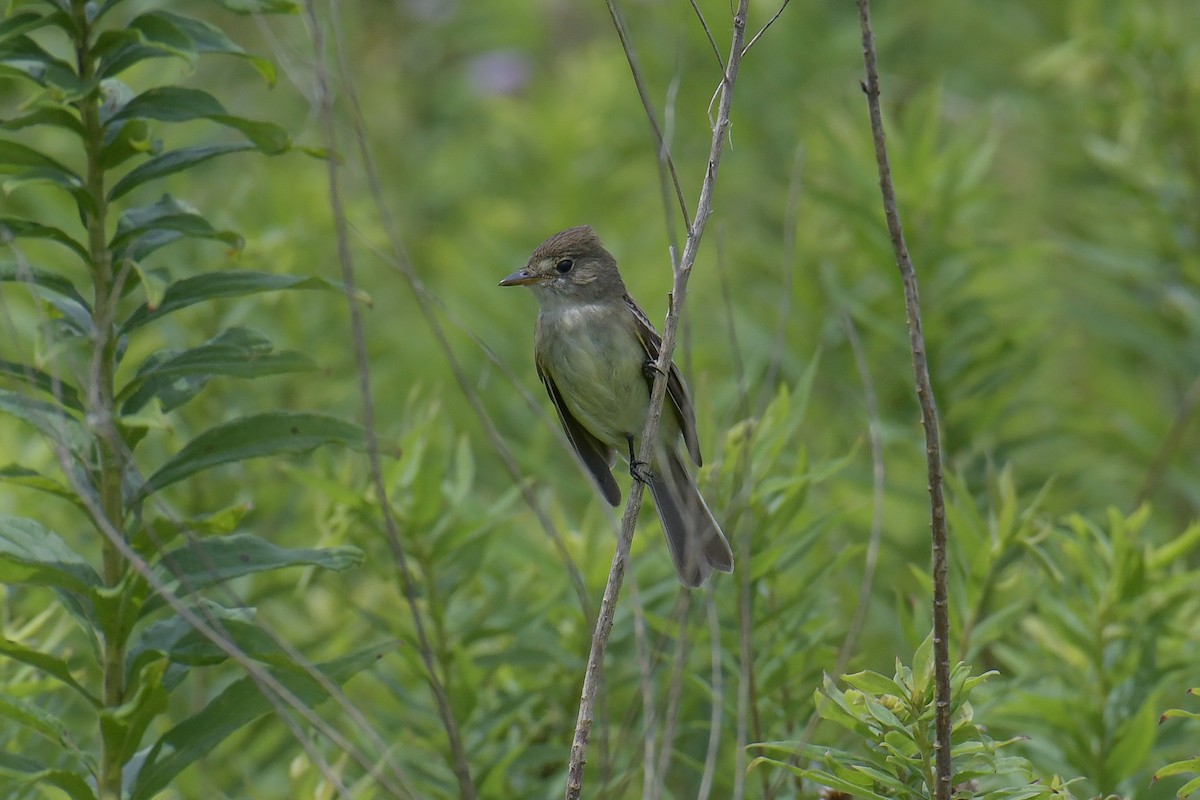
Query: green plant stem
[{"x": 100, "y": 395}]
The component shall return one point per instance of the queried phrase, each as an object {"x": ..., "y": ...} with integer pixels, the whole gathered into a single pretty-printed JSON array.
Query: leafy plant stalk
[
  {"x": 616, "y": 576},
  {"x": 100, "y": 402},
  {"x": 929, "y": 415}
]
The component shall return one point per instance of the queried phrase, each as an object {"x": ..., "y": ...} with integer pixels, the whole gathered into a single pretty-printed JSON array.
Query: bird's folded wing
[
  {"x": 594, "y": 454},
  {"x": 677, "y": 393}
]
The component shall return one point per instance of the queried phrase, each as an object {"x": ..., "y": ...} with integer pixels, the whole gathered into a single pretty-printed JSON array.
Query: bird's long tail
[{"x": 693, "y": 536}]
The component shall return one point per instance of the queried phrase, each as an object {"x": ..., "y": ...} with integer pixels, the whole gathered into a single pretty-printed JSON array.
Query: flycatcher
[{"x": 596, "y": 353}]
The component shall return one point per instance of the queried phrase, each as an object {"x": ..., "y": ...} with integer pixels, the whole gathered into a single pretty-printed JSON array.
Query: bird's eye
[{"x": 564, "y": 266}]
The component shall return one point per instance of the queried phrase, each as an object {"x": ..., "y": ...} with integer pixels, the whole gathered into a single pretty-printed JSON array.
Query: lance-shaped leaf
[
  {"x": 16, "y": 475},
  {"x": 232, "y": 283},
  {"x": 13, "y": 228},
  {"x": 125, "y": 140},
  {"x": 179, "y": 104},
  {"x": 122, "y": 727},
  {"x": 20, "y": 273},
  {"x": 172, "y": 162},
  {"x": 141, "y": 231},
  {"x": 50, "y": 665},
  {"x": 27, "y": 165},
  {"x": 208, "y": 38},
  {"x": 32, "y": 554},
  {"x": 51, "y": 115},
  {"x": 185, "y": 647},
  {"x": 25, "y": 57},
  {"x": 19, "y": 769},
  {"x": 241, "y": 703},
  {"x": 35, "y": 717},
  {"x": 22, "y": 22},
  {"x": 47, "y": 418},
  {"x": 206, "y": 562},
  {"x": 261, "y": 6},
  {"x": 149, "y": 35},
  {"x": 237, "y": 352},
  {"x": 254, "y": 437},
  {"x": 63, "y": 392}
]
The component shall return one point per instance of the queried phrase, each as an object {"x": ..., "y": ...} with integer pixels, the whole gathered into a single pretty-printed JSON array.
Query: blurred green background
[{"x": 1047, "y": 159}]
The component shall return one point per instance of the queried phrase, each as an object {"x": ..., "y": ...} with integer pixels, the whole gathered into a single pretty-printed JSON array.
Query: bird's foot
[
  {"x": 650, "y": 369},
  {"x": 638, "y": 470}
]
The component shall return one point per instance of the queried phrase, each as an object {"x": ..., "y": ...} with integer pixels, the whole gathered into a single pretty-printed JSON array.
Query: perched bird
[{"x": 596, "y": 353}]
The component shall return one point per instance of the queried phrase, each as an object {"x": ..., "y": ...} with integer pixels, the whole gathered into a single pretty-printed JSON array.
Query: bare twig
[
  {"x": 646, "y": 673},
  {"x": 708, "y": 32},
  {"x": 1170, "y": 443},
  {"x": 458, "y": 756},
  {"x": 425, "y": 302},
  {"x": 929, "y": 416},
  {"x": 714, "y": 725},
  {"x": 764, "y": 28},
  {"x": 674, "y": 693},
  {"x": 612, "y": 589},
  {"x": 664, "y": 152}
]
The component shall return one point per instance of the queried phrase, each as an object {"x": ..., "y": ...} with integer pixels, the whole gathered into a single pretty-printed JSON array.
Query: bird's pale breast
[{"x": 595, "y": 359}]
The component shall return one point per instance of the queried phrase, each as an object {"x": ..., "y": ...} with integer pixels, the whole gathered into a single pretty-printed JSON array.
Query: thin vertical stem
[
  {"x": 458, "y": 757},
  {"x": 616, "y": 575},
  {"x": 929, "y": 416}
]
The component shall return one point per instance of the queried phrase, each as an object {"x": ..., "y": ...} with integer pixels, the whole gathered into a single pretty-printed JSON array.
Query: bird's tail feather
[{"x": 695, "y": 539}]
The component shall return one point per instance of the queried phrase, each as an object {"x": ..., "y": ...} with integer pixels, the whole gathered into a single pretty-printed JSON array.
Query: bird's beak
[{"x": 519, "y": 278}]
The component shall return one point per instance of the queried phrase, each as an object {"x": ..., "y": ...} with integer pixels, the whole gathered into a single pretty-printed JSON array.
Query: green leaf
[
  {"x": 125, "y": 140},
  {"x": 20, "y": 273},
  {"x": 239, "y": 704},
  {"x": 47, "y": 418},
  {"x": 15, "y": 475},
  {"x": 21, "y": 22},
  {"x": 212, "y": 285},
  {"x": 48, "y": 664},
  {"x": 123, "y": 727},
  {"x": 32, "y": 554},
  {"x": 27, "y": 771},
  {"x": 34, "y": 717},
  {"x": 157, "y": 532},
  {"x": 261, "y": 6},
  {"x": 61, "y": 392},
  {"x": 209, "y": 38},
  {"x": 874, "y": 683},
  {"x": 207, "y": 562},
  {"x": 142, "y": 230},
  {"x": 30, "y": 166},
  {"x": 23, "y": 56},
  {"x": 51, "y": 116},
  {"x": 175, "y": 639},
  {"x": 179, "y": 104},
  {"x": 150, "y": 35},
  {"x": 12, "y": 228},
  {"x": 256, "y": 436},
  {"x": 237, "y": 352},
  {"x": 172, "y": 162}
]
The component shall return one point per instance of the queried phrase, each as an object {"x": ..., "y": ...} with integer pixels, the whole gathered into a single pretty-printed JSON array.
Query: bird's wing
[
  {"x": 677, "y": 393},
  {"x": 594, "y": 454}
]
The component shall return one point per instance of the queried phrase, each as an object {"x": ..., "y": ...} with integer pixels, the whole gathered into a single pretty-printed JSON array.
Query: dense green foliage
[{"x": 1047, "y": 163}]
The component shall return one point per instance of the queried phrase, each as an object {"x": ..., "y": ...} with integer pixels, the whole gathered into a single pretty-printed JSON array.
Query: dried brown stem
[
  {"x": 929, "y": 416},
  {"x": 458, "y": 757},
  {"x": 612, "y": 590}
]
